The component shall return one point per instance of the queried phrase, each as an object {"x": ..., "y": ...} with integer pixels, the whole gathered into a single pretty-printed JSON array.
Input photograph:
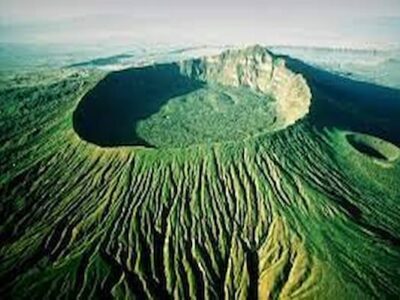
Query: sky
[
  {"x": 287, "y": 22},
  {"x": 45, "y": 9}
]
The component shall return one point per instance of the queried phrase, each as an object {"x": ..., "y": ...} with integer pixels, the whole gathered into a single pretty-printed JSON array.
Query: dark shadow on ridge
[
  {"x": 339, "y": 102},
  {"x": 350, "y": 104},
  {"x": 108, "y": 114}
]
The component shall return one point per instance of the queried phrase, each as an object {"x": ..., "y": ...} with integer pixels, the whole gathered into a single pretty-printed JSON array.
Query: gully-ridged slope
[{"x": 104, "y": 196}]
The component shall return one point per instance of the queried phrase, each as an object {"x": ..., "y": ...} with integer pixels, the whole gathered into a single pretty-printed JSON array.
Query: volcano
[{"x": 241, "y": 175}]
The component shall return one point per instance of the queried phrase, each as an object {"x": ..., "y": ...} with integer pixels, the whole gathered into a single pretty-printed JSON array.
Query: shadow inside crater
[
  {"x": 365, "y": 148},
  {"x": 108, "y": 114},
  {"x": 349, "y": 104}
]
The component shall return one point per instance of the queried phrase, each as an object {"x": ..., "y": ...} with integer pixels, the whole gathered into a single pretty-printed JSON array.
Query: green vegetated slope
[{"x": 97, "y": 205}]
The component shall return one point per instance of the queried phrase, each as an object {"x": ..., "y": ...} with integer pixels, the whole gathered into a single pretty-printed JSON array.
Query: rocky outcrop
[{"x": 260, "y": 70}]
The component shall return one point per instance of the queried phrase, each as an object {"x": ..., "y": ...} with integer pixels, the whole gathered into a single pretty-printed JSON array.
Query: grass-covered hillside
[{"x": 239, "y": 176}]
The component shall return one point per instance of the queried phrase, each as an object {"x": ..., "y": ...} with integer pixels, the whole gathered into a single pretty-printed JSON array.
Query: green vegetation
[
  {"x": 374, "y": 147},
  {"x": 186, "y": 120},
  {"x": 93, "y": 209}
]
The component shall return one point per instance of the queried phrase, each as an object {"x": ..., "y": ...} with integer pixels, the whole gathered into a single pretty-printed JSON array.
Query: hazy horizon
[{"x": 311, "y": 22}]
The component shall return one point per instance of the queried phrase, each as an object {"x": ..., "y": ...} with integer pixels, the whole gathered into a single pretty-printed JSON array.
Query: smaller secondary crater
[
  {"x": 228, "y": 97},
  {"x": 373, "y": 147}
]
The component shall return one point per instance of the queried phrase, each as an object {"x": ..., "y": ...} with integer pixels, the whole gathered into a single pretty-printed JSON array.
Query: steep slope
[
  {"x": 294, "y": 213},
  {"x": 259, "y": 70}
]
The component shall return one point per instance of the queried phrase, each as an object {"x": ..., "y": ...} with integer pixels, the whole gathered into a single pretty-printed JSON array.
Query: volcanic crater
[{"x": 229, "y": 97}]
